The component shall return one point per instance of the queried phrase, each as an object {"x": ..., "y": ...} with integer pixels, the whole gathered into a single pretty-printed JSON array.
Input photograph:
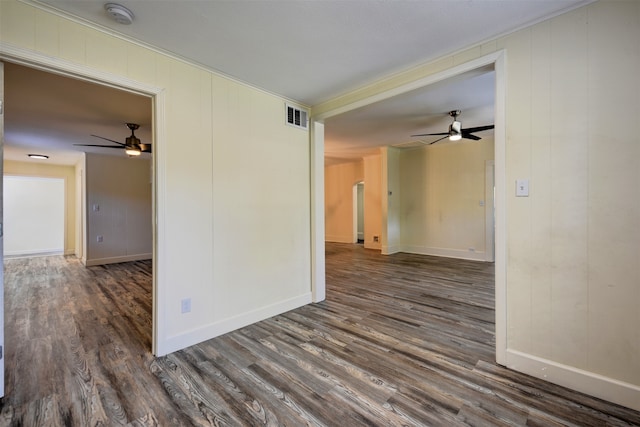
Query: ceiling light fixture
[
  {"x": 38, "y": 156},
  {"x": 119, "y": 13},
  {"x": 455, "y": 131},
  {"x": 132, "y": 151}
]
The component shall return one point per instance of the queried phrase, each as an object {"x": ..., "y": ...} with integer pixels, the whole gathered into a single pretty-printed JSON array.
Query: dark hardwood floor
[{"x": 400, "y": 340}]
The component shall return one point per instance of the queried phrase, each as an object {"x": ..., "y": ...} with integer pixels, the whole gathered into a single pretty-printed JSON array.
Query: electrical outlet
[
  {"x": 185, "y": 305},
  {"x": 99, "y": 239}
]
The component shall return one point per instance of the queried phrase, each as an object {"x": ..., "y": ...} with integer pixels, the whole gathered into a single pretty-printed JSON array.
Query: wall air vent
[{"x": 297, "y": 117}]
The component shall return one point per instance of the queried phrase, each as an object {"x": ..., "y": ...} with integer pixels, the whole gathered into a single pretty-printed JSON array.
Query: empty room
[{"x": 324, "y": 213}]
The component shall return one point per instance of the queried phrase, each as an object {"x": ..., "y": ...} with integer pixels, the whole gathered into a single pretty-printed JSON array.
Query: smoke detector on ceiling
[{"x": 119, "y": 13}]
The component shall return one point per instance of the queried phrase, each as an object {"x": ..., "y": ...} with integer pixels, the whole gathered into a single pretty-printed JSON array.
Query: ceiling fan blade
[
  {"x": 110, "y": 140},
  {"x": 440, "y": 139},
  {"x": 432, "y": 134},
  {"x": 477, "y": 129},
  {"x": 98, "y": 145},
  {"x": 145, "y": 148},
  {"x": 466, "y": 135}
]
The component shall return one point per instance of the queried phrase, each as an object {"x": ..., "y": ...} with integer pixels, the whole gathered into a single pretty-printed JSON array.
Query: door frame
[
  {"x": 356, "y": 211},
  {"x": 65, "y": 68},
  {"x": 498, "y": 61}
]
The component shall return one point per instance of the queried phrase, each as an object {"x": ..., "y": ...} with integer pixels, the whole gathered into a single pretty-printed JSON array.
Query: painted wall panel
[
  {"x": 34, "y": 215},
  {"x": 569, "y": 193},
  {"x": 119, "y": 209},
  {"x": 261, "y": 210},
  {"x": 442, "y": 187},
  {"x": 72, "y": 40},
  {"x": 66, "y": 173},
  {"x": 338, "y": 200},
  {"x": 391, "y": 201},
  {"x": 373, "y": 189},
  {"x": 540, "y": 256},
  {"x": 613, "y": 193}
]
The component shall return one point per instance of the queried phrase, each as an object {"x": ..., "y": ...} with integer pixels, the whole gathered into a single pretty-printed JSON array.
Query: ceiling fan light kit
[
  {"x": 132, "y": 151},
  {"x": 455, "y": 130}
]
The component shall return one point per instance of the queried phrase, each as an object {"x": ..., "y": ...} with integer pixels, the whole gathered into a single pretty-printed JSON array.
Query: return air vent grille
[{"x": 297, "y": 117}]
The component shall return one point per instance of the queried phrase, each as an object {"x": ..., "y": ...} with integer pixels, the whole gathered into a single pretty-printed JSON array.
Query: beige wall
[
  {"x": 572, "y": 266},
  {"x": 443, "y": 192},
  {"x": 53, "y": 171},
  {"x": 119, "y": 208},
  {"x": 338, "y": 200},
  {"x": 573, "y": 245},
  {"x": 373, "y": 202},
  {"x": 233, "y": 208}
]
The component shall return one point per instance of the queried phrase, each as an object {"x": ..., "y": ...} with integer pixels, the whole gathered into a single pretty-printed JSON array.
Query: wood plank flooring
[{"x": 400, "y": 340}]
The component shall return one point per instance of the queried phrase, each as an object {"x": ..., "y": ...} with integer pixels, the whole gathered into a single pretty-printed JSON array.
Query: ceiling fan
[
  {"x": 132, "y": 145},
  {"x": 456, "y": 132}
]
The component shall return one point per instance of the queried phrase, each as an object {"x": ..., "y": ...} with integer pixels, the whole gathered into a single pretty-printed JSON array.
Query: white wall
[
  {"x": 119, "y": 209},
  {"x": 572, "y": 266},
  {"x": 233, "y": 180},
  {"x": 443, "y": 186},
  {"x": 33, "y": 215},
  {"x": 391, "y": 196},
  {"x": 66, "y": 173}
]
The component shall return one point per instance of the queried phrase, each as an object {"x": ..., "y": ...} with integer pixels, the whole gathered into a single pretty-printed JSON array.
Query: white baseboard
[
  {"x": 114, "y": 260},
  {"x": 596, "y": 385},
  {"x": 33, "y": 253},
  {"x": 388, "y": 250},
  {"x": 212, "y": 330},
  {"x": 443, "y": 252}
]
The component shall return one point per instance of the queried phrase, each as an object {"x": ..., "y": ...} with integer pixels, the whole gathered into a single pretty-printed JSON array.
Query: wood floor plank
[{"x": 400, "y": 340}]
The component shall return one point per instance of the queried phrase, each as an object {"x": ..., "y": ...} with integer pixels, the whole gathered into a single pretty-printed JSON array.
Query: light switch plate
[{"x": 522, "y": 188}]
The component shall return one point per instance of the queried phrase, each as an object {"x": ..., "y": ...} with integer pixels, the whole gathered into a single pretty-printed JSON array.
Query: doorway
[
  {"x": 496, "y": 61},
  {"x": 358, "y": 212},
  {"x": 59, "y": 67}
]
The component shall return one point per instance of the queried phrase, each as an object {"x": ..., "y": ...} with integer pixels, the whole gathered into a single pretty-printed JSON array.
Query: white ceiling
[
  {"x": 307, "y": 51},
  {"x": 310, "y": 51}
]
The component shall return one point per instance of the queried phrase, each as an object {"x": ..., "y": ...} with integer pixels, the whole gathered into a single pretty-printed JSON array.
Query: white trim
[
  {"x": 390, "y": 250},
  {"x": 489, "y": 211},
  {"x": 411, "y": 86},
  {"x": 34, "y": 254},
  {"x": 59, "y": 66},
  {"x": 55, "y": 65},
  {"x": 600, "y": 386},
  {"x": 316, "y": 172},
  {"x": 354, "y": 214},
  {"x": 500, "y": 167},
  {"x": 117, "y": 259},
  {"x": 443, "y": 252},
  {"x": 212, "y": 330}
]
